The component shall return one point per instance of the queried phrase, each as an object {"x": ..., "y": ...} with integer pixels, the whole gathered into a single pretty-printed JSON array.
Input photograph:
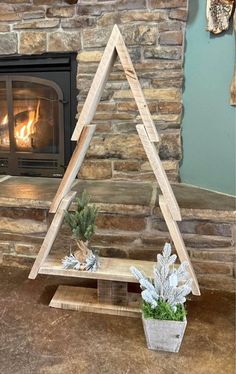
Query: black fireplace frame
[{"x": 38, "y": 68}]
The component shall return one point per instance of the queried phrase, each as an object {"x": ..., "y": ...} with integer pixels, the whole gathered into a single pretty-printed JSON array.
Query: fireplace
[{"x": 37, "y": 113}]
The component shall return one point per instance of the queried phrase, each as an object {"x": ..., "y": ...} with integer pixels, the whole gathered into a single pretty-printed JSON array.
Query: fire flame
[
  {"x": 5, "y": 120},
  {"x": 4, "y": 140},
  {"x": 23, "y": 134},
  {"x": 22, "y": 130}
]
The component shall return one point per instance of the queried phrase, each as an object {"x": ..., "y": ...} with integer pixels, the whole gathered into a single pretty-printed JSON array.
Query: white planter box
[{"x": 164, "y": 335}]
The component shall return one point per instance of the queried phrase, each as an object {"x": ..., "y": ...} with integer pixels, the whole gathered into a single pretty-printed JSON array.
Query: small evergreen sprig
[
  {"x": 164, "y": 297},
  {"x": 82, "y": 221}
]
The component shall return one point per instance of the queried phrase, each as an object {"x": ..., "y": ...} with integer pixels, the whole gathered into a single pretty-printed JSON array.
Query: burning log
[
  {"x": 42, "y": 134},
  {"x": 31, "y": 130}
]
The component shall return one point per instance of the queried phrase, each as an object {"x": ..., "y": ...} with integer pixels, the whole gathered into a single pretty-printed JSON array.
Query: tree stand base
[{"x": 109, "y": 298}]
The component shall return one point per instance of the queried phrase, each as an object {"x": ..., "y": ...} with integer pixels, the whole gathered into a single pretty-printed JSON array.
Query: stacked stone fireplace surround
[{"x": 154, "y": 33}]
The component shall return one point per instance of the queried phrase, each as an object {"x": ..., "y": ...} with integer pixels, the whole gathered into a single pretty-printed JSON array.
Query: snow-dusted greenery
[
  {"x": 163, "y": 298},
  {"x": 71, "y": 262},
  {"x": 92, "y": 262}
]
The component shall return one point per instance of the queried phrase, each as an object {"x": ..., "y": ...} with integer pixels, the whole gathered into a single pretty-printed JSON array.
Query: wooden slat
[
  {"x": 114, "y": 269},
  {"x": 112, "y": 292},
  {"x": 98, "y": 84},
  {"x": 178, "y": 242},
  {"x": 4, "y": 178},
  {"x": 159, "y": 172},
  {"x": 74, "y": 166},
  {"x": 51, "y": 233},
  {"x": 85, "y": 300},
  {"x": 136, "y": 89}
]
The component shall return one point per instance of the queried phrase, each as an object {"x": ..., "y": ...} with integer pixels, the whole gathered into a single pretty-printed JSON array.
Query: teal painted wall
[{"x": 209, "y": 122}]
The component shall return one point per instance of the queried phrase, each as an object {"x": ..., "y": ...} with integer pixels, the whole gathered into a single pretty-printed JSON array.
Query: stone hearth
[{"x": 129, "y": 224}]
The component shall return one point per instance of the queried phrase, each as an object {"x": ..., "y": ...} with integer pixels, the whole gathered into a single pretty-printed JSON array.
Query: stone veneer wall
[
  {"x": 154, "y": 33},
  {"x": 129, "y": 225}
]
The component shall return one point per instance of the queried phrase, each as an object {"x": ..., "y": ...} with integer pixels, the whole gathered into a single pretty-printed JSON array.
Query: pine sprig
[{"x": 82, "y": 221}]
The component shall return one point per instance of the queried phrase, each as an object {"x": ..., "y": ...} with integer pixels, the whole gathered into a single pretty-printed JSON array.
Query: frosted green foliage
[
  {"x": 170, "y": 285},
  {"x": 92, "y": 262},
  {"x": 82, "y": 221},
  {"x": 149, "y": 298},
  {"x": 71, "y": 262},
  {"x": 149, "y": 293}
]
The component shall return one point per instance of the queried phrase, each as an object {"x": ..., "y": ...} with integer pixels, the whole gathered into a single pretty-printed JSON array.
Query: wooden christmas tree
[{"x": 83, "y": 134}]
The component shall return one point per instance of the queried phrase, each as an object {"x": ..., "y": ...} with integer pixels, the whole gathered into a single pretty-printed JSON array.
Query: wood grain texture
[
  {"x": 113, "y": 269},
  {"x": 51, "y": 233},
  {"x": 164, "y": 335},
  {"x": 136, "y": 89},
  {"x": 85, "y": 300},
  {"x": 178, "y": 243},
  {"x": 159, "y": 172},
  {"x": 98, "y": 84},
  {"x": 112, "y": 292},
  {"x": 74, "y": 166}
]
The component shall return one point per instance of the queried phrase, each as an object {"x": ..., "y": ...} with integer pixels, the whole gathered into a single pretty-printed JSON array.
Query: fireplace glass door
[
  {"x": 4, "y": 129},
  {"x": 31, "y": 128}
]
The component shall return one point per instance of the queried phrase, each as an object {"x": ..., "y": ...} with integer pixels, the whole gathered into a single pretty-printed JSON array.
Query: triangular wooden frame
[
  {"x": 83, "y": 134},
  {"x": 115, "y": 46}
]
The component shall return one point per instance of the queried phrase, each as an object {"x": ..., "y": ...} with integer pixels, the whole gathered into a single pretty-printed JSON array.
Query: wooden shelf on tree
[
  {"x": 112, "y": 269},
  {"x": 86, "y": 300},
  {"x": 110, "y": 297}
]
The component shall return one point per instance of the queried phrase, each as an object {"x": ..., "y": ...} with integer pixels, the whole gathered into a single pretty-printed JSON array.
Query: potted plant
[
  {"x": 163, "y": 310},
  {"x": 82, "y": 225}
]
